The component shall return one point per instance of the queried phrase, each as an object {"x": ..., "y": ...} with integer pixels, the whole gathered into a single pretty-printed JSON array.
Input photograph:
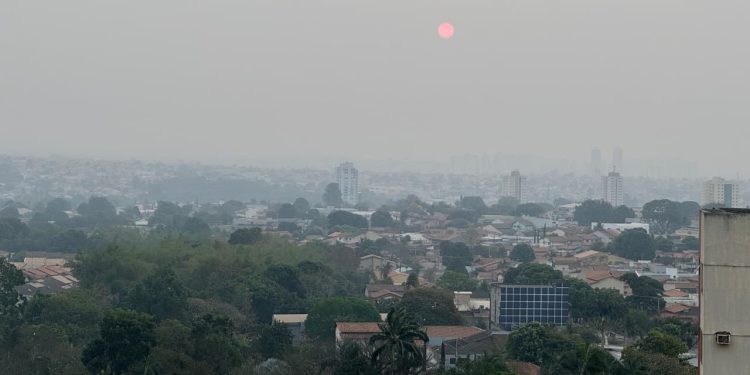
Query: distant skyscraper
[
  {"x": 617, "y": 159},
  {"x": 514, "y": 185},
  {"x": 348, "y": 179},
  {"x": 720, "y": 191},
  {"x": 596, "y": 162},
  {"x": 612, "y": 189}
]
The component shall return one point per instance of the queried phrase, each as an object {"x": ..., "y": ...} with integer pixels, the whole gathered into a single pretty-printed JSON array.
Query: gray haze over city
[{"x": 534, "y": 85}]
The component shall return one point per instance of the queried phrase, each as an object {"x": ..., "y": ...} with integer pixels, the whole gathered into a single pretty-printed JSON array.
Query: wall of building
[{"x": 725, "y": 290}]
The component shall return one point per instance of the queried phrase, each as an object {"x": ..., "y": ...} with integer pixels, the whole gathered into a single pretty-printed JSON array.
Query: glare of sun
[{"x": 445, "y": 30}]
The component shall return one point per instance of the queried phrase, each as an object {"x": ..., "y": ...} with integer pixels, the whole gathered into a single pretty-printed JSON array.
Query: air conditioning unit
[{"x": 723, "y": 338}]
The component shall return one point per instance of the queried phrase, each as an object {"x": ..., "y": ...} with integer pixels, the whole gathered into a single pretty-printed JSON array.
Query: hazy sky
[{"x": 250, "y": 80}]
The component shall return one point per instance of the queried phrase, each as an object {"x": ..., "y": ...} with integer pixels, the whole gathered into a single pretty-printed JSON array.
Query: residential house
[
  {"x": 383, "y": 292},
  {"x": 680, "y": 311},
  {"x": 361, "y": 332},
  {"x": 607, "y": 280},
  {"x": 295, "y": 323},
  {"x": 472, "y": 347},
  {"x": 678, "y": 297}
]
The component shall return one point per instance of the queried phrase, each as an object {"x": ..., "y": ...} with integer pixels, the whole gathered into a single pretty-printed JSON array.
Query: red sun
[{"x": 445, "y": 30}]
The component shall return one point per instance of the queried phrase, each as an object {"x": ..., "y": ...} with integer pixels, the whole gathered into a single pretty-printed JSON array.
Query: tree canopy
[
  {"x": 347, "y": 218},
  {"x": 523, "y": 253},
  {"x": 635, "y": 244},
  {"x": 431, "y": 306},
  {"x": 332, "y": 195},
  {"x": 532, "y": 274},
  {"x": 323, "y": 316}
]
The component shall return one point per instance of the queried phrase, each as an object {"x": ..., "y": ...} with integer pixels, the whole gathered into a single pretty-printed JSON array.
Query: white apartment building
[
  {"x": 724, "y": 291},
  {"x": 720, "y": 191},
  {"x": 612, "y": 189},
  {"x": 514, "y": 185},
  {"x": 348, "y": 179}
]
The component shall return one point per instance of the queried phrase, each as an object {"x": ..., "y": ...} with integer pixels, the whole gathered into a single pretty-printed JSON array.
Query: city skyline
[{"x": 246, "y": 98}]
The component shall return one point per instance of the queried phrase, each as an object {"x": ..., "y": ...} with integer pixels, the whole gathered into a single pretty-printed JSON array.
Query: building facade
[
  {"x": 514, "y": 185},
  {"x": 515, "y": 305},
  {"x": 348, "y": 179},
  {"x": 612, "y": 189},
  {"x": 724, "y": 291},
  {"x": 720, "y": 191}
]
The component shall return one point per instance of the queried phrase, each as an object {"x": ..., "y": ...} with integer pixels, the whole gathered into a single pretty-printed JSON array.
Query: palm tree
[{"x": 397, "y": 352}]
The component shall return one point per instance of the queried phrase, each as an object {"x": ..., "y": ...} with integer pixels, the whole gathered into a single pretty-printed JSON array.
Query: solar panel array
[{"x": 520, "y": 304}]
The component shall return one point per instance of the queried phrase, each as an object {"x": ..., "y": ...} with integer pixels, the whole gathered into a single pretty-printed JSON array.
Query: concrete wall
[{"x": 725, "y": 290}]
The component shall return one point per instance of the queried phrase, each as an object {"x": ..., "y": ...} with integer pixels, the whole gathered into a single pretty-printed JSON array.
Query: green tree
[
  {"x": 664, "y": 215},
  {"x": 160, "y": 294},
  {"x": 287, "y": 211},
  {"x": 301, "y": 205},
  {"x": 636, "y": 362},
  {"x": 246, "y": 236},
  {"x": 11, "y": 229},
  {"x": 75, "y": 311},
  {"x": 9, "y": 213},
  {"x": 659, "y": 342},
  {"x": 413, "y": 280},
  {"x": 484, "y": 365},
  {"x": 382, "y": 219},
  {"x": 472, "y": 203},
  {"x": 455, "y": 255},
  {"x": 620, "y": 213},
  {"x": 505, "y": 206},
  {"x": 646, "y": 292},
  {"x": 274, "y": 341},
  {"x": 690, "y": 243},
  {"x": 532, "y": 274},
  {"x": 396, "y": 346},
  {"x": 98, "y": 211},
  {"x": 70, "y": 241},
  {"x": 522, "y": 253},
  {"x": 10, "y": 277},
  {"x": 353, "y": 360},
  {"x": 529, "y": 209},
  {"x": 58, "y": 205},
  {"x": 663, "y": 244},
  {"x": 126, "y": 341},
  {"x": 214, "y": 343},
  {"x": 323, "y": 316},
  {"x": 635, "y": 244},
  {"x": 431, "y": 306},
  {"x": 593, "y": 211},
  {"x": 332, "y": 195},
  {"x": 347, "y": 218},
  {"x": 194, "y": 225},
  {"x": 456, "y": 281}
]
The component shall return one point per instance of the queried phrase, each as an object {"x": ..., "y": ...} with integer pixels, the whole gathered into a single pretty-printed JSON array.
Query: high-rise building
[
  {"x": 724, "y": 291},
  {"x": 514, "y": 185},
  {"x": 720, "y": 191},
  {"x": 348, "y": 179},
  {"x": 612, "y": 189},
  {"x": 514, "y": 305},
  {"x": 617, "y": 159},
  {"x": 596, "y": 162}
]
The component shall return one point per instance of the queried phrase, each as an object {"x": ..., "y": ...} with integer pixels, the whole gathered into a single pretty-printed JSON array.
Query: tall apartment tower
[
  {"x": 612, "y": 189},
  {"x": 724, "y": 291},
  {"x": 348, "y": 179},
  {"x": 617, "y": 159},
  {"x": 720, "y": 191},
  {"x": 514, "y": 185},
  {"x": 597, "y": 163}
]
